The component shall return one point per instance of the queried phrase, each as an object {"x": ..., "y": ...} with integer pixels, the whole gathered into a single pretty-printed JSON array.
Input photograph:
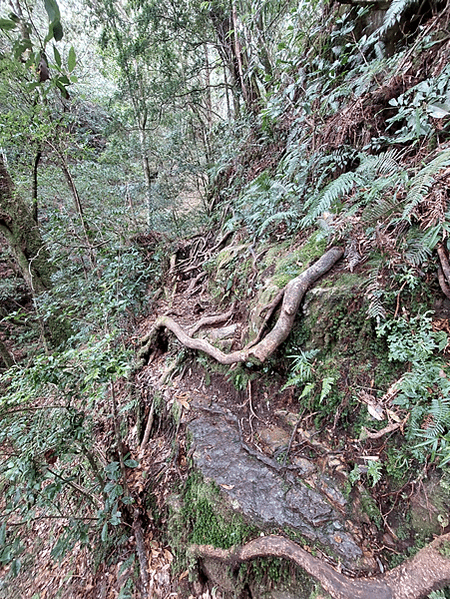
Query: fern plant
[
  {"x": 422, "y": 182},
  {"x": 424, "y": 390},
  {"x": 368, "y": 183},
  {"x": 304, "y": 374}
]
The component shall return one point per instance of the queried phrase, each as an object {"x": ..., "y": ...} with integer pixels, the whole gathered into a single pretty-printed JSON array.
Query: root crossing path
[{"x": 293, "y": 294}]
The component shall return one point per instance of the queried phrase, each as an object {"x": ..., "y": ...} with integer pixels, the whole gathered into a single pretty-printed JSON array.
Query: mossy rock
[
  {"x": 294, "y": 262},
  {"x": 430, "y": 507},
  {"x": 284, "y": 263}
]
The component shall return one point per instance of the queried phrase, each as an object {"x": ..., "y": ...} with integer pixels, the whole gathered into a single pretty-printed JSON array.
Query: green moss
[
  {"x": 444, "y": 549},
  {"x": 272, "y": 572},
  {"x": 345, "y": 280},
  {"x": 371, "y": 509},
  {"x": 296, "y": 261},
  {"x": 199, "y": 515}
]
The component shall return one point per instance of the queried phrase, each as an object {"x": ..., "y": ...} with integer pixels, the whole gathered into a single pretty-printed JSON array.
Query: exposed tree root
[
  {"x": 443, "y": 270},
  {"x": 428, "y": 570},
  {"x": 443, "y": 282},
  {"x": 209, "y": 320},
  {"x": 292, "y": 297}
]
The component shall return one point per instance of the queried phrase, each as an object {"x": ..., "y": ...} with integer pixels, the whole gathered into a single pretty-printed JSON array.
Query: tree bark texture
[
  {"x": 428, "y": 570},
  {"x": 22, "y": 234},
  {"x": 234, "y": 56},
  {"x": 24, "y": 239},
  {"x": 292, "y": 297},
  {"x": 34, "y": 190}
]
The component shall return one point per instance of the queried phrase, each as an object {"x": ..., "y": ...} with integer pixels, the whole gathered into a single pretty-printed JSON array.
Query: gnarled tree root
[
  {"x": 443, "y": 270},
  {"x": 428, "y": 570},
  {"x": 292, "y": 297}
]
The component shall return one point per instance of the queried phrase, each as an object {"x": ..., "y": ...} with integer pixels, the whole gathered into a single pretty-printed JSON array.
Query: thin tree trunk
[
  {"x": 34, "y": 191},
  {"x": 148, "y": 177},
  {"x": 208, "y": 88},
  {"x": 6, "y": 356},
  {"x": 27, "y": 246},
  {"x": 78, "y": 208},
  {"x": 237, "y": 53},
  {"x": 227, "y": 93}
]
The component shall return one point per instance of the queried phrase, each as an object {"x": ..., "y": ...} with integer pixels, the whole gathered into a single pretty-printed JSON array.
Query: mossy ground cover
[{"x": 199, "y": 515}]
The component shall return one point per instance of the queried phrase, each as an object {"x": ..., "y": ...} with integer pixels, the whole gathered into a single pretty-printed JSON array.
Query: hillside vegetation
[{"x": 225, "y": 299}]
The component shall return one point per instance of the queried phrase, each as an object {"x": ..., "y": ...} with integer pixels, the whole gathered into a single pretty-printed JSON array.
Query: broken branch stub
[{"x": 292, "y": 297}]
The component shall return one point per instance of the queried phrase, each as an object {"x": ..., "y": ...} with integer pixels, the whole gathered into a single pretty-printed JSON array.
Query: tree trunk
[
  {"x": 78, "y": 207},
  {"x": 6, "y": 356},
  {"x": 22, "y": 234},
  {"x": 27, "y": 246},
  {"x": 234, "y": 56},
  {"x": 34, "y": 192},
  {"x": 149, "y": 177}
]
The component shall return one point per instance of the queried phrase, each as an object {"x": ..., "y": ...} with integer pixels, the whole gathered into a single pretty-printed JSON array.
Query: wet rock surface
[{"x": 267, "y": 493}]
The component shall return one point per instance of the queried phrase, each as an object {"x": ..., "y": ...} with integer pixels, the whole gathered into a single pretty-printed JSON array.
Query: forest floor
[{"x": 272, "y": 424}]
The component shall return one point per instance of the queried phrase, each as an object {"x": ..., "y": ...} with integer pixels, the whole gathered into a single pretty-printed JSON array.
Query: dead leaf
[
  {"x": 376, "y": 411},
  {"x": 228, "y": 487},
  {"x": 183, "y": 403},
  {"x": 393, "y": 416}
]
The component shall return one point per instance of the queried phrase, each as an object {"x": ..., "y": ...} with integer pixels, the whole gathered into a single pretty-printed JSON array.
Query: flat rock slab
[{"x": 267, "y": 494}]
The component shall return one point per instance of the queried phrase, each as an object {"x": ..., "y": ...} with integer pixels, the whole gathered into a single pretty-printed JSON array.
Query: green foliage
[
  {"x": 205, "y": 521},
  {"x": 303, "y": 374},
  {"x": 423, "y": 181},
  {"x": 52, "y": 471},
  {"x": 373, "y": 472},
  {"x": 366, "y": 185},
  {"x": 424, "y": 389},
  {"x": 418, "y": 106},
  {"x": 439, "y": 595}
]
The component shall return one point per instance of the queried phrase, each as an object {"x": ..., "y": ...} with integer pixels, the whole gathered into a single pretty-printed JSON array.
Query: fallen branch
[
  {"x": 428, "y": 570},
  {"x": 292, "y": 297},
  {"x": 390, "y": 428}
]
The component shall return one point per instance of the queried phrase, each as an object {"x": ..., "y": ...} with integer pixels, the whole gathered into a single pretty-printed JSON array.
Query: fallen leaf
[
  {"x": 183, "y": 402},
  {"x": 376, "y": 411},
  {"x": 168, "y": 555}
]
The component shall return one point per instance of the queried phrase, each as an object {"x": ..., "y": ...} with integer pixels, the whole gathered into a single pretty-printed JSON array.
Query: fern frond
[
  {"x": 381, "y": 211},
  {"x": 422, "y": 182},
  {"x": 392, "y": 16},
  {"x": 375, "y": 294},
  {"x": 439, "y": 418},
  {"x": 333, "y": 192},
  {"x": 417, "y": 253},
  {"x": 376, "y": 309},
  {"x": 327, "y": 385},
  {"x": 285, "y": 216},
  {"x": 389, "y": 162},
  {"x": 394, "y": 13}
]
